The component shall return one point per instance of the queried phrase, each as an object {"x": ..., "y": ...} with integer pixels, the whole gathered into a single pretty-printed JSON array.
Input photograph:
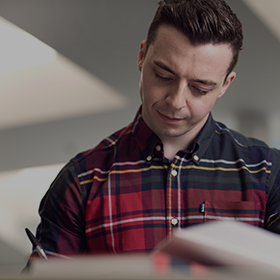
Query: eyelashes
[
  {"x": 163, "y": 78},
  {"x": 169, "y": 80}
]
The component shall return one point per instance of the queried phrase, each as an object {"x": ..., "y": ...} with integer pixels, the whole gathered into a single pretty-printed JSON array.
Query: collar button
[
  {"x": 158, "y": 148},
  {"x": 196, "y": 157},
  {"x": 149, "y": 158}
]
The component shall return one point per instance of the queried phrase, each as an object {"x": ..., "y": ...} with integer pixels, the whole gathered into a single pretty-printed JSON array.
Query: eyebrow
[
  {"x": 204, "y": 82},
  {"x": 166, "y": 68}
]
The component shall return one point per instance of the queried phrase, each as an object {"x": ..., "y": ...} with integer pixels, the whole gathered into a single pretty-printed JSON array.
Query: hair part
[{"x": 202, "y": 22}]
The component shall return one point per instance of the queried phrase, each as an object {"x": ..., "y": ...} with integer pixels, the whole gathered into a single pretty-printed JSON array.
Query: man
[{"x": 173, "y": 166}]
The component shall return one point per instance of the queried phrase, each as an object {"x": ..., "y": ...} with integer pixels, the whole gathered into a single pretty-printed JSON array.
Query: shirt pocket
[{"x": 244, "y": 211}]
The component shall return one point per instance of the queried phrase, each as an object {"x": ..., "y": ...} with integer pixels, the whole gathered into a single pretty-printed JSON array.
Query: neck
[
  {"x": 174, "y": 144},
  {"x": 171, "y": 148}
]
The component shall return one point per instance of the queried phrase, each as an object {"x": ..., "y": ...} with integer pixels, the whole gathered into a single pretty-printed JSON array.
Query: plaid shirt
[{"x": 124, "y": 196}]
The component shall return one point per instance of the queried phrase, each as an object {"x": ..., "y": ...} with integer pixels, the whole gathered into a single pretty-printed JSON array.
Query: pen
[{"x": 38, "y": 247}]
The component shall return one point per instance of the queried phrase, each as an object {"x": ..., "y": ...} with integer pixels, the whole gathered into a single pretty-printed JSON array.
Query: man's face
[{"x": 180, "y": 83}]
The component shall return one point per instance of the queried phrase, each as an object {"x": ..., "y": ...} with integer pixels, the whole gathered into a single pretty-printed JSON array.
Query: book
[{"x": 227, "y": 243}]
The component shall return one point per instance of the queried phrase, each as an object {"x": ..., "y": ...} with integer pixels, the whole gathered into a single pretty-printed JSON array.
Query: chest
[{"x": 135, "y": 207}]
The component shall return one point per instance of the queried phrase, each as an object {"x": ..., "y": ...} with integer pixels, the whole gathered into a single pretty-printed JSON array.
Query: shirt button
[
  {"x": 158, "y": 148},
  {"x": 149, "y": 158},
  {"x": 174, "y": 173},
  {"x": 196, "y": 158},
  {"x": 174, "y": 221}
]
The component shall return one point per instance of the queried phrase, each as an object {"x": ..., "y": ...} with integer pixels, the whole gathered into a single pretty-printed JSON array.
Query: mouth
[{"x": 168, "y": 119}]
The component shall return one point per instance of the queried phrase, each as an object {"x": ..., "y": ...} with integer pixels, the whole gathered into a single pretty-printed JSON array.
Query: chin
[{"x": 171, "y": 133}]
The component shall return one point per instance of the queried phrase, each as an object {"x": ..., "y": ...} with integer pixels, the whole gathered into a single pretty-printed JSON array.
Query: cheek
[
  {"x": 200, "y": 107},
  {"x": 143, "y": 89},
  {"x": 207, "y": 105},
  {"x": 148, "y": 93}
]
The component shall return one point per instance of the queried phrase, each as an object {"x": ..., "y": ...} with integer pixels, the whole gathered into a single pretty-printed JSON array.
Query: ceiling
[
  {"x": 92, "y": 46},
  {"x": 98, "y": 42},
  {"x": 268, "y": 13},
  {"x": 36, "y": 82}
]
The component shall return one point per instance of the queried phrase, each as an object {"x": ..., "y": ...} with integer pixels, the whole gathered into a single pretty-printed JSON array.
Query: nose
[{"x": 177, "y": 96}]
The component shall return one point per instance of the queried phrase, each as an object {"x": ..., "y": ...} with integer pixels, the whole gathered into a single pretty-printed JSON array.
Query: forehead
[{"x": 171, "y": 44}]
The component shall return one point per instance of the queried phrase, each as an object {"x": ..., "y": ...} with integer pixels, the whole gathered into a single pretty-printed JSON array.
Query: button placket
[{"x": 173, "y": 196}]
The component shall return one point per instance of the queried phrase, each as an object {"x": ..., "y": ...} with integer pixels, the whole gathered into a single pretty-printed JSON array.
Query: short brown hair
[{"x": 202, "y": 21}]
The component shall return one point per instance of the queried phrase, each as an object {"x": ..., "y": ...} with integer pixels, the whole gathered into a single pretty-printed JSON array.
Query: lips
[{"x": 168, "y": 119}]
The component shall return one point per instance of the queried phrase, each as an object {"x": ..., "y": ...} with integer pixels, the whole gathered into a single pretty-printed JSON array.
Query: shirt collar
[
  {"x": 147, "y": 140},
  {"x": 203, "y": 139}
]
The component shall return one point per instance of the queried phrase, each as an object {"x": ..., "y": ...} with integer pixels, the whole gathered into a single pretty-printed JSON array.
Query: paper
[{"x": 227, "y": 243}]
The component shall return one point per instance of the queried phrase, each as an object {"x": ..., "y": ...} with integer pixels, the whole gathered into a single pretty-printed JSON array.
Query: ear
[
  {"x": 230, "y": 78},
  {"x": 141, "y": 54}
]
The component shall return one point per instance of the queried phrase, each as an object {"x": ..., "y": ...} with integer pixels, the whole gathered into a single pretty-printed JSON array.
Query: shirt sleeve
[
  {"x": 62, "y": 228},
  {"x": 272, "y": 220}
]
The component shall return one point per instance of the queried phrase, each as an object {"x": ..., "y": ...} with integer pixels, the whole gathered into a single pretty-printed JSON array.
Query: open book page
[{"x": 227, "y": 243}]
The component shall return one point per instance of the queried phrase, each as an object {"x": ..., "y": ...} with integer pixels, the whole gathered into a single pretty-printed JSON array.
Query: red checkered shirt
[{"x": 124, "y": 196}]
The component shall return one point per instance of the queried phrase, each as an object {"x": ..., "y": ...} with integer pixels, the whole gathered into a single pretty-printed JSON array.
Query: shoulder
[
  {"x": 233, "y": 144},
  {"x": 230, "y": 135},
  {"x": 101, "y": 155}
]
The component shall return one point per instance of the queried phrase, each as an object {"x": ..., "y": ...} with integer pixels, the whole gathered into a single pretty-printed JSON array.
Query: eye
[
  {"x": 165, "y": 79},
  {"x": 201, "y": 92}
]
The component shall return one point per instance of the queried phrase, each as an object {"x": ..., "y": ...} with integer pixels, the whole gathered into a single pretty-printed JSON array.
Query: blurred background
[{"x": 69, "y": 78}]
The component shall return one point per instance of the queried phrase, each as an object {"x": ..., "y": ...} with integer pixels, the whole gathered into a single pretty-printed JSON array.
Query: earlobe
[{"x": 141, "y": 54}]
